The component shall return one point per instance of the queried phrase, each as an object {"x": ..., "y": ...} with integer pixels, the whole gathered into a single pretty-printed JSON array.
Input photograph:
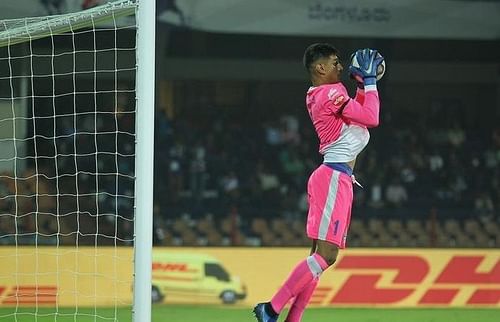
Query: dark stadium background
[{"x": 238, "y": 100}]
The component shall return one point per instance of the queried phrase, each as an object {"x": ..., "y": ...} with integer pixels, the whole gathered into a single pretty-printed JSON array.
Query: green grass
[{"x": 177, "y": 313}]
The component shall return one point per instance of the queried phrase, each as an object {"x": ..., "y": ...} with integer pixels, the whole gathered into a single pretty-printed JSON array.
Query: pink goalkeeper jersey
[{"x": 342, "y": 123}]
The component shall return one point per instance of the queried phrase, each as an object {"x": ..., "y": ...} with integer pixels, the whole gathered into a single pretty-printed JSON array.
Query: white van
[{"x": 193, "y": 277}]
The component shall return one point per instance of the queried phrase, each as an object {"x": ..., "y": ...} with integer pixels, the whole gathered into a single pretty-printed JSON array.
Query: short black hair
[{"x": 317, "y": 51}]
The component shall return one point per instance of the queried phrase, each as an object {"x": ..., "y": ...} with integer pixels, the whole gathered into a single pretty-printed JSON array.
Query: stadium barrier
[{"x": 361, "y": 277}]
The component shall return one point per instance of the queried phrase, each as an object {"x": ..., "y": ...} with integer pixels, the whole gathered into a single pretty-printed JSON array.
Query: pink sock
[
  {"x": 301, "y": 301},
  {"x": 301, "y": 276}
]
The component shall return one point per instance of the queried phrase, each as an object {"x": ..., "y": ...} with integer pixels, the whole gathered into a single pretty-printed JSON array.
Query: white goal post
[
  {"x": 76, "y": 163},
  {"x": 144, "y": 161}
]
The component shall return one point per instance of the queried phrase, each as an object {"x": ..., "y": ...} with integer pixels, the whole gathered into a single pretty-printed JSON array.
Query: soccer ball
[{"x": 380, "y": 68}]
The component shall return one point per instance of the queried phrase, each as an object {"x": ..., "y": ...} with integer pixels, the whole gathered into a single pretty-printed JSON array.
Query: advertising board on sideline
[{"x": 88, "y": 276}]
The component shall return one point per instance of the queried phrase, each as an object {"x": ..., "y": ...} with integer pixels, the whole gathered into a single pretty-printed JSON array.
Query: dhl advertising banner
[{"x": 245, "y": 276}]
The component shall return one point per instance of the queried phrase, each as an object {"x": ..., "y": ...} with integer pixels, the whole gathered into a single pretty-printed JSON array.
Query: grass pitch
[{"x": 189, "y": 313}]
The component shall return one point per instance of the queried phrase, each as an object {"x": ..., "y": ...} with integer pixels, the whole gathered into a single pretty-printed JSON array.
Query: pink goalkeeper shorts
[{"x": 330, "y": 198}]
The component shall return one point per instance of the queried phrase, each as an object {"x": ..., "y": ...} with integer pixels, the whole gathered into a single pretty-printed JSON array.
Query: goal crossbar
[{"x": 15, "y": 31}]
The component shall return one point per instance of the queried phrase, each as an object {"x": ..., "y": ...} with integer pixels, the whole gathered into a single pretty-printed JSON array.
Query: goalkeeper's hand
[
  {"x": 356, "y": 76},
  {"x": 368, "y": 63}
]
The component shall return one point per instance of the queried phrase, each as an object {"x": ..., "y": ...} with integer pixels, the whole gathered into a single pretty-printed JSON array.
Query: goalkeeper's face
[
  {"x": 330, "y": 69},
  {"x": 335, "y": 69}
]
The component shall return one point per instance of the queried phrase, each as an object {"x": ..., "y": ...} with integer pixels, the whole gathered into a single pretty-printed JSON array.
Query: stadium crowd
[
  {"x": 230, "y": 177},
  {"x": 430, "y": 171}
]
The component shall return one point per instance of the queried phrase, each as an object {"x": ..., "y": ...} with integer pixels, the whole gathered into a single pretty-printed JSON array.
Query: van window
[{"x": 215, "y": 270}]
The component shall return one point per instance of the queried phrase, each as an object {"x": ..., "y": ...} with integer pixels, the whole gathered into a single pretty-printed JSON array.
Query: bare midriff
[{"x": 352, "y": 163}]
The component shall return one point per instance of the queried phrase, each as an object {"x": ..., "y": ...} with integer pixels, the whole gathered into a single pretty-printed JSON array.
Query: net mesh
[{"x": 67, "y": 140}]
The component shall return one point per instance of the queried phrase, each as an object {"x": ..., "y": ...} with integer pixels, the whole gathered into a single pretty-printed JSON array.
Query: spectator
[
  {"x": 456, "y": 135},
  {"x": 484, "y": 207},
  {"x": 395, "y": 193}
]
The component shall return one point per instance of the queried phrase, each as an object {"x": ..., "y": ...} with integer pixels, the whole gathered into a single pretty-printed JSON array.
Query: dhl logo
[
  {"x": 172, "y": 267},
  {"x": 28, "y": 294},
  {"x": 412, "y": 280}
]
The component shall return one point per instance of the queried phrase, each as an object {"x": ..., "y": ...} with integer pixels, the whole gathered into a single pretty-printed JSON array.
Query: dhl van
[{"x": 193, "y": 278}]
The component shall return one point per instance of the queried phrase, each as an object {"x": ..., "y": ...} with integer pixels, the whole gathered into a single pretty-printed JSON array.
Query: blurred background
[{"x": 235, "y": 145}]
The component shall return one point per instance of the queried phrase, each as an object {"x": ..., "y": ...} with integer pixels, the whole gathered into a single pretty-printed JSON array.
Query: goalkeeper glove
[
  {"x": 355, "y": 75},
  {"x": 364, "y": 66}
]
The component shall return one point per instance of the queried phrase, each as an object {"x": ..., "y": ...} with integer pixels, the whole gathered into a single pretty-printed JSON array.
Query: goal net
[{"x": 67, "y": 165}]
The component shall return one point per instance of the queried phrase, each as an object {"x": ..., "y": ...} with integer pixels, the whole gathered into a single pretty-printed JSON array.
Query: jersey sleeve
[
  {"x": 360, "y": 96},
  {"x": 366, "y": 113},
  {"x": 334, "y": 98},
  {"x": 363, "y": 111}
]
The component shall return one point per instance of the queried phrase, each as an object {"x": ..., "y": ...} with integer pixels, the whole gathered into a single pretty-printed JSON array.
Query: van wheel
[
  {"x": 228, "y": 297},
  {"x": 156, "y": 296}
]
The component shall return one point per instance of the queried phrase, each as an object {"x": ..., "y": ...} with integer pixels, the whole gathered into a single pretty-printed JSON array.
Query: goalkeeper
[{"x": 341, "y": 124}]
